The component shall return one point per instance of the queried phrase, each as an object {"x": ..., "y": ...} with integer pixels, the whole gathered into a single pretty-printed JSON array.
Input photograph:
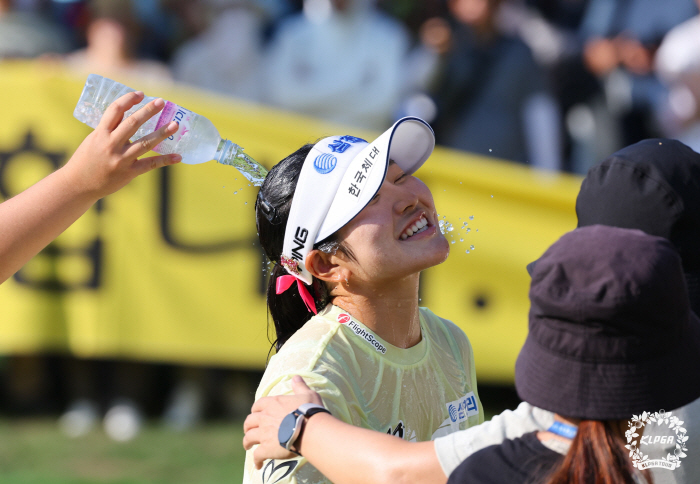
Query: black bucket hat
[
  {"x": 654, "y": 186},
  {"x": 611, "y": 333}
]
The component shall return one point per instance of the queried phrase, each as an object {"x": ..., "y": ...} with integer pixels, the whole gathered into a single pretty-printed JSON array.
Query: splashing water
[
  {"x": 445, "y": 226},
  {"x": 231, "y": 154}
]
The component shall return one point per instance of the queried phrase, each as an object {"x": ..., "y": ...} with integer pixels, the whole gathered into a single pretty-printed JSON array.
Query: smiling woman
[{"x": 349, "y": 229}]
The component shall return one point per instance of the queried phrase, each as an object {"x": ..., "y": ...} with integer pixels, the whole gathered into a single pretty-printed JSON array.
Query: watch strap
[{"x": 309, "y": 409}]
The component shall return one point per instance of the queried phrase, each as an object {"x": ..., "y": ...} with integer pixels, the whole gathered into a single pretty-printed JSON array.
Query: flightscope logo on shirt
[
  {"x": 460, "y": 410},
  {"x": 367, "y": 336}
]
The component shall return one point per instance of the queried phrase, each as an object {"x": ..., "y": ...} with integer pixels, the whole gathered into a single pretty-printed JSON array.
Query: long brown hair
[{"x": 597, "y": 456}]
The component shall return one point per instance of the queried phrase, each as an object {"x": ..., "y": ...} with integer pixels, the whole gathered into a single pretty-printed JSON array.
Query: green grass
[{"x": 34, "y": 451}]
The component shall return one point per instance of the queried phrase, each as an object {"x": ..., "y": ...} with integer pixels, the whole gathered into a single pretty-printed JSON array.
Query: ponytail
[
  {"x": 288, "y": 311},
  {"x": 597, "y": 456}
]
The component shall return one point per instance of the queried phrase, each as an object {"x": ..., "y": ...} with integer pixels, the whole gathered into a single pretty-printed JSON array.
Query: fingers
[
  {"x": 299, "y": 385},
  {"x": 147, "y": 164},
  {"x": 128, "y": 127},
  {"x": 147, "y": 143},
  {"x": 260, "y": 404},
  {"x": 259, "y": 457},
  {"x": 251, "y": 421},
  {"x": 115, "y": 112},
  {"x": 251, "y": 438}
]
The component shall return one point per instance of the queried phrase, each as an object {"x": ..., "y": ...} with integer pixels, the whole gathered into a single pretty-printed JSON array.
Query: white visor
[{"x": 340, "y": 176}]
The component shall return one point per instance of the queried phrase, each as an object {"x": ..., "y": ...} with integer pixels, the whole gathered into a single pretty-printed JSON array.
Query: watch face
[{"x": 286, "y": 429}]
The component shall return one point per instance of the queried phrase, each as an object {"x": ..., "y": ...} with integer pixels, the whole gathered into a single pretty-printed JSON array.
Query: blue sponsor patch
[
  {"x": 325, "y": 163},
  {"x": 461, "y": 409}
]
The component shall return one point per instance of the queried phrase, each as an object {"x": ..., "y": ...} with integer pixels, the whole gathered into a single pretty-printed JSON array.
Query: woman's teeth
[{"x": 416, "y": 228}]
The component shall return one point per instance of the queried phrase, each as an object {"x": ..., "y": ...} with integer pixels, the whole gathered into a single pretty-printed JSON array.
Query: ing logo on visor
[{"x": 325, "y": 163}]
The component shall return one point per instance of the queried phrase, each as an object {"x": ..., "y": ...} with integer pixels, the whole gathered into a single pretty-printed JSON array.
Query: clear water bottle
[{"x": 196, "y": 140}]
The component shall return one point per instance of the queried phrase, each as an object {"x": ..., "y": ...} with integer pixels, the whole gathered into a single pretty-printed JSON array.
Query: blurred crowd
[{"x": 557, "y": 84}]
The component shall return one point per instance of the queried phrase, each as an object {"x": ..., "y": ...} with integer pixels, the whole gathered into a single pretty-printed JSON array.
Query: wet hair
[{"x": 288, "y": 311}]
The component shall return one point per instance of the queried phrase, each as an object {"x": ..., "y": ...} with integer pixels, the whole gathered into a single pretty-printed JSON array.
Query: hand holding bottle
[
  {"x": 103, "y": 163},
  {"x": 106, "y": 160}
]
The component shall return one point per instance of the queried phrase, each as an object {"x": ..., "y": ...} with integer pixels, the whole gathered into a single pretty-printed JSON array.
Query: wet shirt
[{"x": 417, "y": 394}]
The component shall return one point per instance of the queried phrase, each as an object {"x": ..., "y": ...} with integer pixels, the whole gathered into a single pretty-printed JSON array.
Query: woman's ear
[{"x": 326, "y": 267}]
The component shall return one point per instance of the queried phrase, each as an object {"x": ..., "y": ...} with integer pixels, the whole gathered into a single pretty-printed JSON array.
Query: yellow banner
[{"x": 169, "y": 268}]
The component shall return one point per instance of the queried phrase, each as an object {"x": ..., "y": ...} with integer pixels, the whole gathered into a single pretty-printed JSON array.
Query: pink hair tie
[{"x": 285, "y": 282}]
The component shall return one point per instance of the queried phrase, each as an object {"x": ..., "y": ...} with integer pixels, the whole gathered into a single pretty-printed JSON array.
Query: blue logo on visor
[{"x": 325, "y": 163}]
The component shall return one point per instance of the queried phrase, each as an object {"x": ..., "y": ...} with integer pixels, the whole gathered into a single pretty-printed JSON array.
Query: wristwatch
[{"x": 291, "y": 427}]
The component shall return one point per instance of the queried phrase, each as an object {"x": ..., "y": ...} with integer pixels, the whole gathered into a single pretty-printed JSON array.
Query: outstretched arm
[
  {"x": 344, "y": 453},
  {"x": 103, "y": 163}
]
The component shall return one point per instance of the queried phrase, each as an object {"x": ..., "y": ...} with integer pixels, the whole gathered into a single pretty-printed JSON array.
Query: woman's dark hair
[
  {"x": 597, "y": 456},
  {"x": 288, "y": 311}
]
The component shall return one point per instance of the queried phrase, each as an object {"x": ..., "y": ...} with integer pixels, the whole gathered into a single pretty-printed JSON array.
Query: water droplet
[
  {"x": 491, "y": 196},
  {"x": 477, "y": 230},
  {"x": 236, "y": 178},
  {"x": 490, "y": 150},
  {"x": 235, "y": 193},
  {"x": 471, "y": 247},
  {"x": 248, "y": 184},
  {"x": 453, "y": 241},
  {"x": 471, "y": 217},
  {"x": 246, "y": 203},
  {"x": 461, "y": 239},
  {"x": 468, "y": 230},
  {"x": 444, "y": 216},
  {"x": 460, "y": 183},
  {"x": 467, "y": 251}
]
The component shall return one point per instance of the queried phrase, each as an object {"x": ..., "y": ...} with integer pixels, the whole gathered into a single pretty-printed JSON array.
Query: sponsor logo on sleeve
[
  {"x": 367, "y": 336},
  {"x": 463, "y": 408},
  {"x": 343, "y": 318}
]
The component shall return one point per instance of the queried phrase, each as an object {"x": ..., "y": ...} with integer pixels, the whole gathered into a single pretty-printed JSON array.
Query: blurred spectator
[
  {"x": 619, "y": 39},
  {"x": 678, "y": 65},
  {"x": 226, "y": 57},
  {"x": 492, "y": 97},
  {"x": 25, "y": 33},
  {"x": 112, "y": 36},
  {"x": 341, "y": 60}
]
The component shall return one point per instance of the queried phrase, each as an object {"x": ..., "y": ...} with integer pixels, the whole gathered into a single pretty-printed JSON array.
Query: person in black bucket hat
[
  {"x": 609, "y": 323},
  {"x": 654, "y": 186},
  {"x": 609, "y": 317}
]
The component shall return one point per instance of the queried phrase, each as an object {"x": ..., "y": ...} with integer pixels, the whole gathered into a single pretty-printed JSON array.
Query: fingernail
[
  {"x": 175, "y": 158},
  {"x": 138, "y": 93},
  {"x": 172, "y": 126},
  {"x": 158, "y": 102}
]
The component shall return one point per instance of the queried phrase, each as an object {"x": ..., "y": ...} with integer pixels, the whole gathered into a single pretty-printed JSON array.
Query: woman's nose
[{"x": 406, "y": 199}]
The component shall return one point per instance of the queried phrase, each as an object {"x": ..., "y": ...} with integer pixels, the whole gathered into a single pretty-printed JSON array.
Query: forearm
[
  {"x": 32, "y": 219},
  {"x": 348, "y": 455}
]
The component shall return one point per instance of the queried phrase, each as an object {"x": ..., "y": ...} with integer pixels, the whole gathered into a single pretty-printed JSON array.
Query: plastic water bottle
[{"x": 196, "y": 140}]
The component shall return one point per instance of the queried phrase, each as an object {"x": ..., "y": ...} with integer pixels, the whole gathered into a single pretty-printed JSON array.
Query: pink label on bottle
[{"x": 172, "y": 112}]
